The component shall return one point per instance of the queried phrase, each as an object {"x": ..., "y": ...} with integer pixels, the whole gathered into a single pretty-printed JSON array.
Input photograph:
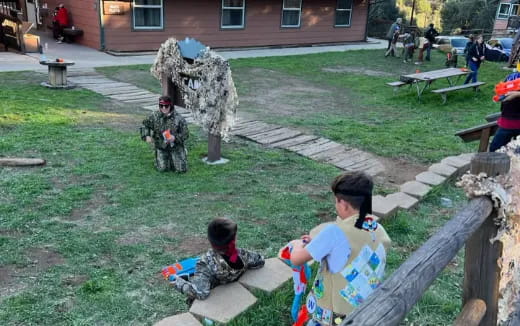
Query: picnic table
[{"x": 429, "y": 77}]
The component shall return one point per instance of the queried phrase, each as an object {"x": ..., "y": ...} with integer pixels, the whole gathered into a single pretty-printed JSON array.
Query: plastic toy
[
  {"x": 501, "y": 89},
  {"x": 180, "y": 269},
  {"x": 300, "y": 276}
]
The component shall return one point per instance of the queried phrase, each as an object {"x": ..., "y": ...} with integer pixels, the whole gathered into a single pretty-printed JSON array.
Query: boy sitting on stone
[{"x": 223, "y": 263}]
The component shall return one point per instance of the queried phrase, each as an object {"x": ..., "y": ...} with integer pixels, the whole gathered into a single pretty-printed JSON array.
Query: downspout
[
  {"x": 101, "y": 26},
  {"x": 366, "y": 25}
]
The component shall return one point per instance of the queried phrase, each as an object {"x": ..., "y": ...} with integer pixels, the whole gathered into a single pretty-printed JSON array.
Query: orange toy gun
[{"x": 501, "y": 89}]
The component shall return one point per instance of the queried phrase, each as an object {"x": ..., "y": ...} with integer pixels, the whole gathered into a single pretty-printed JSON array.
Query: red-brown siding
[
  {"x": 200, "y": 19},
  {"x": 84, "y": 14}
]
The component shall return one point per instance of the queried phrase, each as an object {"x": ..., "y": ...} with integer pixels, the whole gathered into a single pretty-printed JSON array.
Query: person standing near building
[
  {"x": 430, "y": 35},
  {"x": 391, "y": 32},
  {"x": 167, "y": 131},
  {"x": 60, "y": 21},
  {"x": 469, "y": 44},
  {"x": 351, "y": 252},
  {"x": 476, "y": 55}
]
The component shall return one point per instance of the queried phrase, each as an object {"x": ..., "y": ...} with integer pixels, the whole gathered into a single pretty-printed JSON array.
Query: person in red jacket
[{"x": 60, "y": 21}]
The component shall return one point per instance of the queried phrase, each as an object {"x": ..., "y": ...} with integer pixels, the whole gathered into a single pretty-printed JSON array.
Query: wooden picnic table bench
[
  {"x": 397, "y": 84},
  {"x": 429, "y": 77},
  {"x": 482, "y": 132},
  {"x": 444, "y": 91}
]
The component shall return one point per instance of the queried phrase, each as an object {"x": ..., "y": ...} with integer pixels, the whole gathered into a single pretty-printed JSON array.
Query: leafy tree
[{"x": 469, "y": 14}]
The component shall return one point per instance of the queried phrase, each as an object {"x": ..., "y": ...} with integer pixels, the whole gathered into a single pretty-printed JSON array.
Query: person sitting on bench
[{"x": 59, "y": 22}]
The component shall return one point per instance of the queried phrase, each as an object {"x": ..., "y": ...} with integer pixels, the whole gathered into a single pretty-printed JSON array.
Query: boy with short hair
[
  {"x": 223, "y": 263},
  {"x": 351, "y": 252}
]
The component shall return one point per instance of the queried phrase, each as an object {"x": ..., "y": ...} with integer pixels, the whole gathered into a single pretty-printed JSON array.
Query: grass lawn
[
  {"x": 83, "y": 239},
  {"x": 343, "y": 96}
]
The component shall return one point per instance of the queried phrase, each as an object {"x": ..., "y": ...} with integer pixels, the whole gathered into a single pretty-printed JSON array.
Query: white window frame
[
  {"x": 513, "y": 5},
  {"x": 233, "y": 8},
  {"x": 292, "y": 9},
  {"x": 501, "y": 16},
  {"x": 161, "y": 6},
  {"x": 350, "y": 14}
]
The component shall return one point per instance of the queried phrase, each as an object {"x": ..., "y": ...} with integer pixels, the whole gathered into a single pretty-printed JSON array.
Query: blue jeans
[
  {"x": 474, "y": 72},
  {"x": 503, "y": 137},
  {"x": 428, "y": 51}
]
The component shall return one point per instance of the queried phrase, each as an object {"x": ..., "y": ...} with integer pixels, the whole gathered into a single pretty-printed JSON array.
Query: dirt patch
[
  {"x": 358, "y": 70},
  {"x": 398, "y": 171},
  {"x": 144, "y": 234},
  {"x": 90, "y": 208},
  {"x": 266, "y": 93},
  {"x": 192, "y": 246},
  {"x": 325, "y": 216},
  {"x": 75, "y": 280},
  {"x": 14, "y": 278}
]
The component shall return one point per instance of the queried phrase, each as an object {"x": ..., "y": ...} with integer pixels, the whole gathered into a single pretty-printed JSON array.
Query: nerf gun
[
  {"x": 180, "y": 269},
  {"x": 168, "y": 137},
  {"x": 501, "y": 89},
  {"x": 300, "y": 276}
]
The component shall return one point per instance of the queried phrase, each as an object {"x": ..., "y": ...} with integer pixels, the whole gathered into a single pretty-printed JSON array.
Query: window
[
  {"x": 233, "y": 13},
  {"x": 343, "y": 13},
  {"x": 503, "y": 11},
  {"x": 291, "y": 13},
  {"x": 514, "y": 10},
  {"x": 148, "y": 14}
]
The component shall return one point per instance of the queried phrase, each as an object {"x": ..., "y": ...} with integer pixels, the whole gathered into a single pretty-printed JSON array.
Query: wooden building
[
  {"x": 140, "y": 25},
  {"x": 507, "y": 11}
]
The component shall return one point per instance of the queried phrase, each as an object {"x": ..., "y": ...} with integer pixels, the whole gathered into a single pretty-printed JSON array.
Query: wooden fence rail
[{"x": 473, "y": 226}]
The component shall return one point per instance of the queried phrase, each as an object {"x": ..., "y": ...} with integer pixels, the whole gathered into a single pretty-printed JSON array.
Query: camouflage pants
[{"x": 171, "y": 160}]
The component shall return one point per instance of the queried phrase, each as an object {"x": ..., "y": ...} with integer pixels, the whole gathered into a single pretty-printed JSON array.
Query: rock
[
  {"x": 383, "y": 207},
  {"x": 415, "y": 188},
  {"x": 268, "y": 278},
  {"x": 402, "y": 200},
  {"x": 430, "y": 178},
  {"x": 224, "y": 303},
  {"x": 443, "y": 169},
  {"x": 185, "y": 319}
]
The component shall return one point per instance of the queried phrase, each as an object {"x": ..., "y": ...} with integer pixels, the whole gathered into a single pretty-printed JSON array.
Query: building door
[{"x": 32, "y": 14}]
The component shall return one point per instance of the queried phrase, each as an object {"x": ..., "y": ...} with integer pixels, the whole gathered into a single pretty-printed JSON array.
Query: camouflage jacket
[
  {"x": 157, "y": 123},
  {"x": 212, "y": 270}
]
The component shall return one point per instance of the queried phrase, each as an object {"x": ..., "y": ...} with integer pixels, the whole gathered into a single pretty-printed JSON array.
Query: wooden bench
[
  {"x": 481, "y": 132},
  {"x": 493, "y": 117},
  {"x": 444, "y": 91},
  {"x": 397, "y": 84}
]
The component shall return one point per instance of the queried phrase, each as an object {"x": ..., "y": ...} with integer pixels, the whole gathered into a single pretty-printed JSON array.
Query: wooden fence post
[{"x": 481, "y": 269}]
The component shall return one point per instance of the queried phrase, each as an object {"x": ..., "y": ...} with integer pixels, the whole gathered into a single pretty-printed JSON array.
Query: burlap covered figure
[{"x": 214, "y": 102}]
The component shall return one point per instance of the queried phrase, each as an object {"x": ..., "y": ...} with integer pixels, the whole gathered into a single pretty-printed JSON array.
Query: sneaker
[{"x": 59, "y": 41}]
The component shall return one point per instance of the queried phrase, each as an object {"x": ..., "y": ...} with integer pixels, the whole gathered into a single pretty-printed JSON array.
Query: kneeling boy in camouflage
[{"x": 222, "y": 264}]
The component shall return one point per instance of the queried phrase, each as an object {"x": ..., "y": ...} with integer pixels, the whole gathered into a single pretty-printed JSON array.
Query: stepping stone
[
  {"x": 402, "y": 200},
  {"x": 258, "y": 129},
  {"x": 268, "y": 278},
  {"x": 383, "y": 207},
  {"x": 224, "y": 303},
  {"x": 15, "y": 161},
  {"x": 443, "y": 169},
  {"x": 130, "y": 96},
  {"x": 246, "y": 126},
  {"x": 294, "y": 141},
  {"x": 414, "y": 188},
  {"x": 185, "y": 319},
  {"x": 268, "y": 134},
  {"x": 455, "y": 161},
  {"x": 375, "y": 170},
  {"x": 466, "y": 156},
  {"x": 430, "y": 178},
  {"x": 115, "y": 90}
]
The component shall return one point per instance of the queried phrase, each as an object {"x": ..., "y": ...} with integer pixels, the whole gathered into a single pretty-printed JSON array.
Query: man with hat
[
  {"x": 167, "y": 131},
  {"x": 351, "y": 252},
  {"x": 223, "y": 263}
]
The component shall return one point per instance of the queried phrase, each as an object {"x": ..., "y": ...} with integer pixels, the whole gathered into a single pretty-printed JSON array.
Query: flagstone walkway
[{"x": 271, "y": 135}]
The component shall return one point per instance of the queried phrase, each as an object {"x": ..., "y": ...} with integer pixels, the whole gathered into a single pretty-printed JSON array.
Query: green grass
[
  {"x": 358, "y": 110},
  {"x": 83, "y": 238}
]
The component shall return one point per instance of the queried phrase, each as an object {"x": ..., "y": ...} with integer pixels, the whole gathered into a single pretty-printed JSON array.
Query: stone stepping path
[
  {"x": 226, "y": 302},
  {"x": 274, "y": 136}
]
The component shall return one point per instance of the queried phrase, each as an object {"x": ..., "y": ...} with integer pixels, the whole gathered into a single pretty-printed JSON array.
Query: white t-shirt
[{"x": 331, "y": 243}]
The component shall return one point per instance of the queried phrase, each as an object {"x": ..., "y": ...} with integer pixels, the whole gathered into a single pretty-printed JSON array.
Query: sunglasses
[{"x": 164, "y": 105}]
